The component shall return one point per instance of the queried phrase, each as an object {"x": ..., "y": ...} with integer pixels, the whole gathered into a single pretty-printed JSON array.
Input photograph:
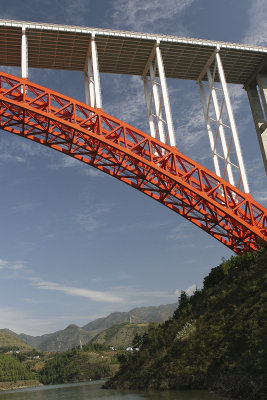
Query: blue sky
[{"x": 76, "y": 244}]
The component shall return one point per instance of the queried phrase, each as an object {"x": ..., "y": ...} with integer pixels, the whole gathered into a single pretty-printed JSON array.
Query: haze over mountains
[{"x": 73, "y": 335}]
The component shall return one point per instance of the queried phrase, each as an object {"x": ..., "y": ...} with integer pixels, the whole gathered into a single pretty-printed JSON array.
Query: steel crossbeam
[
  {"x": 134, "y": 157},
  {"x": 220, "y": 124}
]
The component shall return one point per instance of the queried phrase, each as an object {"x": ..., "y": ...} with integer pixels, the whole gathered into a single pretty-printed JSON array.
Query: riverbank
[
  {"x": 19, "y": 385},
  {"x": 22, "y": 369},
  {"x": 93, "y": 390}
]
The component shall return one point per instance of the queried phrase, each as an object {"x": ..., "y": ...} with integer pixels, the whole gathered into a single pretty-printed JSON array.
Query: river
[{"x": 93, "y": 391}]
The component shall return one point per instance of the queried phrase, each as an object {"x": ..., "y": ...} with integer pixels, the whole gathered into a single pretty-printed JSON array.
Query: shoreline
[
  {"x": 19, "y": 385},
  {"x": 23, "y": 384}
]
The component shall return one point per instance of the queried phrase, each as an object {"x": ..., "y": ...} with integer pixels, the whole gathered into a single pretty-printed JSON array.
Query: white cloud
[
  {"x": 91, "y": 218},
  {"x": 22, "y": 208},
  {"x": 135, "y": 296},
  {"x": 179, "y": 232},
  {"x": 256, "y": 31},
  {"x": 137, "y": 226},
  {"x": 66, "y": 162},
  {"x": 16, "y": 320},
  {"x": 15, "y": 270},
  {"x": 79, "y": 292},
  {"x": 18, "y": 150},
  {"x": 75, "y": 12},
  {"x": 11, "y": 157},
  {"x": 14, "y": 266},
  {"x": 149, "y": 15},
  {"x": 20, "y": 321},
  {"x": 71, "y": 162},
  {"x": 261, "y": 197},
  {"x": 191, "y": 136},
  {"x": 130, "y": 100},
  {"x": 34, "y": 301},
  {"x": 189, "y": 291},
  {"x": 93, "y": 172}
]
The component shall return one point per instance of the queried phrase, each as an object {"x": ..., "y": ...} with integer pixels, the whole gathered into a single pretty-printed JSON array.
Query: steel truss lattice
[
  {"x": 134, "y": 157},
  {"x": 157, "y": 99},
  {"x": 220, "y": 124}
]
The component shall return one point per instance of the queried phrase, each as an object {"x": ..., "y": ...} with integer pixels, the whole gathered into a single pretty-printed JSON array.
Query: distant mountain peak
[{"x": 73, "y": 335}]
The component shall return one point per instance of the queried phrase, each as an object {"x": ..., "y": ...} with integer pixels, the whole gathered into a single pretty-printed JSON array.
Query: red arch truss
[{"x": 134, "y": 157}]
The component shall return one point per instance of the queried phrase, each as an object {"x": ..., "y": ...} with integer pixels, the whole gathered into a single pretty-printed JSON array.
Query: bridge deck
[{"x": 65, "y": 47}]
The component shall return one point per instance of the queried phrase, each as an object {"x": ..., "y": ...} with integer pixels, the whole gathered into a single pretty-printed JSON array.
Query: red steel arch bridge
[{"x": 218, "y": 202}]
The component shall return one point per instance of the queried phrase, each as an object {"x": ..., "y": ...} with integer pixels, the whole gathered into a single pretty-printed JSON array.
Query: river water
[{"x": 93, "y": 391}]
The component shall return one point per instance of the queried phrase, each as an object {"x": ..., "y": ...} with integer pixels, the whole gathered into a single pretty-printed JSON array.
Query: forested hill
[
  {"x": 215, "y": 340},
  {"x": 120, "y": 336},
  {"x": 9, "y": 341},
  {"x": 73, "y": 335}
]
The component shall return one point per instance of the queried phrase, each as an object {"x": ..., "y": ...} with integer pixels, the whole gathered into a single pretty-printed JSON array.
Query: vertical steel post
[
  {"x": 160, "y": 122},
  {"x": 148, "y": 99},
  {"x": 24, "y": 54},
  {"x": 220, "y": 128},
  {"x": 91, "y": 82},
  {"x": 209, "y": 130},
  {"x": 86, "y": 87},
  {"x": 157, "y": 103},
  {"x": 241, "y": 165},
  {"x": 165, "y": 96},
  {"x": 98, "y": 99},
  {"x": 91, "y": 77},
  {"x": 234, "y": 168}
]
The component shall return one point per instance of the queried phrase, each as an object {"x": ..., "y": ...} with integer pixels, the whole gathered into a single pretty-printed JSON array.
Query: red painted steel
[{"x": 134, "y": 157}]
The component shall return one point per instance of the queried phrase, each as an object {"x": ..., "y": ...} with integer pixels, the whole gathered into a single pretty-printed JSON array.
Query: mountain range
[{"x": 74, "y": 335}]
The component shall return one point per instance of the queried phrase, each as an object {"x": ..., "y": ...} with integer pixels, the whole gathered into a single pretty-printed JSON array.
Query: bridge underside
[
  {"x": 154, "y": 58},
  {"x": 134, "y": 157}
]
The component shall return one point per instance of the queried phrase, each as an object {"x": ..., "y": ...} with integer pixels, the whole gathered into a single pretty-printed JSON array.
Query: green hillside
[
  {"x": 9, "y": 341},
  {"x": 12, "y": 370},
  {"x": 216, "y": 339},
  {"x": 120, "y": 336},
  {"x": 65, "y": 339},
  {"x": 136, "y": 315},
  {"x": 92, "y": 362},
  {"x": 71, "y": 336}
]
